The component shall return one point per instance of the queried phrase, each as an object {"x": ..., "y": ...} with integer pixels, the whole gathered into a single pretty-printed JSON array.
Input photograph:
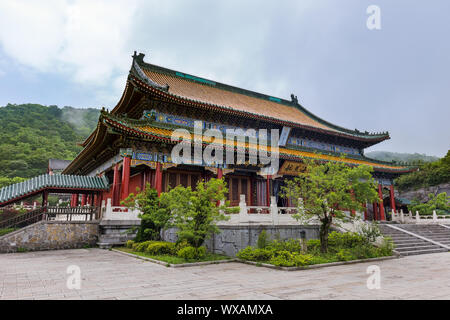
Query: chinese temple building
[{"x": 132, "y": 144}]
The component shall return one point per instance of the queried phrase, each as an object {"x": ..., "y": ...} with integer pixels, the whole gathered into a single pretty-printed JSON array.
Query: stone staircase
[
  {"x": 434, "y": 232},
  {"x": 406, "y": 244}
]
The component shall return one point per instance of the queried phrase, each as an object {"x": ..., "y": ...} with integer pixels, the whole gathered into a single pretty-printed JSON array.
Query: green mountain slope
[
  {"x": 30, "y": 134},
  {"x": 400, "y": 157}
]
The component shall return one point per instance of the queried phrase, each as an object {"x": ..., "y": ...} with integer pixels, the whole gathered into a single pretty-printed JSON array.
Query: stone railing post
[
  {"x": 417, "y": 217},
  {"x": 301, "y": 208},
  {"x": 393, "y": 217},
  {"x": 435, "y": 218},
  {"x": 274, "y": 210},
  {"x": 243, "y": 215},
  {"x": 108, "y": 210},
  {"x": 221, "y": 204}
]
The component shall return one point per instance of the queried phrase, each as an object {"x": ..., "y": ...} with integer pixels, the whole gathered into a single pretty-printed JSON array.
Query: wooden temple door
[
  {"x": 184, "y": 178},
  {"x": 236, "y": 186}
]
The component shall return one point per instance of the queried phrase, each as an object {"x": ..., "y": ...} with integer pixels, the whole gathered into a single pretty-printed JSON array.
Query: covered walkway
[{"x": 89, "y": 187}]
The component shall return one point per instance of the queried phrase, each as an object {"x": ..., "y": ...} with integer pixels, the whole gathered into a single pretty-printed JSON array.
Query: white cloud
[{"x": 85, "y": 40}]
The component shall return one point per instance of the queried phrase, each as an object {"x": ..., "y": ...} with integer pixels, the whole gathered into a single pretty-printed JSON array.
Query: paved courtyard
[{"x": 110, "y": 275}]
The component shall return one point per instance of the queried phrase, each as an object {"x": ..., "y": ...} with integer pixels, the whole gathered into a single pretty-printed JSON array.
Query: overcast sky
[{"x": 397, "y": 79}]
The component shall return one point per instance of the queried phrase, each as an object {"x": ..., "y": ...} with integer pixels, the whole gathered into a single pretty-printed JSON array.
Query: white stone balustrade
[
  {"x": 419, "y": 219},
  {"x": 110, "y": 212},
  {"x": 265, "y": 215}
]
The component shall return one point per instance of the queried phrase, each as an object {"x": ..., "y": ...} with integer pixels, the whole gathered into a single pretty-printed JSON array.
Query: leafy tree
[
  {"x": 195, "y": 212},
  {"x": 429, "y": 174},
  {"x": 154, "y": 217},
  {"x": 328, "y": 188},
  {"x": 4, "y": 181},
  {"x": 440, "y": 203}
]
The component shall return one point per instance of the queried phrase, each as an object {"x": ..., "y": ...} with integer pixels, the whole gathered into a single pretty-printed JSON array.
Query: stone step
[
  {"x": 415, "y": 248},
  {"x": 406, "y": 236},
  {"x": 435, "y": 237},
  {"x": 416, "y": 252},
  {"x": 409, "y": 240},
  {"x": 440, "y": 234},
  {"x": 412, "y": 244}
]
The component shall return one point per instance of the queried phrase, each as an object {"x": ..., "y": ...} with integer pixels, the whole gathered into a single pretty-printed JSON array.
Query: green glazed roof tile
[{"x": 46, "y": 181}]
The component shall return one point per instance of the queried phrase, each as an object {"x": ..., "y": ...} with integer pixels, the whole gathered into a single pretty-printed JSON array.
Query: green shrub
[
  {"x": 263, "y": 240},
  {"x": 344, "y": 255},
  {"x": 181, "y": 244},
  {"x": 246, "y": 253},
  {"x": 262, "y": 254},
  {"x": 386, "y": 248},
  {"x": 160, "y": 247},
  {"x": 129, "y": 244},
  {"x": 313, "y": 245},
  {"x": 364, "y": 252},
  {"x": 345, "y": 240},
  {"x": 291, "y": 245},
  {"x": 255, "y": 254},
  {"x": 191, "y": 253},
  {"x": 283, "y": 259},
  {"x": 302, "y": 259},
  {"x": 290, "y": 259},
  {"x": 140, "y": 246}
]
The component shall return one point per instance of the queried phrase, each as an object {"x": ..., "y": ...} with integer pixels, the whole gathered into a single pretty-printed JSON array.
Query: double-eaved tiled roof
[
  {"x": 248, "y": 103},
  {"x": 53, "y": 182},
  {"x": 158, "y": 131}
]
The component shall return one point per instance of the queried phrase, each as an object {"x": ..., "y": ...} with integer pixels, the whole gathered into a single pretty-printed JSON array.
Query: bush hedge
[{"x": 290, "y": 253}]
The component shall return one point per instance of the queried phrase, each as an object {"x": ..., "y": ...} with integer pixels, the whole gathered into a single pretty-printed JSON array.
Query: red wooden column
[
  {"x": 83, "y": 200},
  {"x": 375, "y": 211},
  {"x": 115, "y": 187},
  {"x": 98, "y": 200},
  {"x": 391, "y": 190},
  {"x": 219, "y": 173},
  {"x": 125, "y": 178},
  {"x": 74, "y": 200},
  {"x": 268, "y": 193},
  {"x": 44, "y": 198},
  {"x": 380, "y": 193},
  {"x": 365, "y": 211},
  {"x": 219, "y": 176},
  {"x": 143, "y": 179},
  {"x": 158, "y": 178}
]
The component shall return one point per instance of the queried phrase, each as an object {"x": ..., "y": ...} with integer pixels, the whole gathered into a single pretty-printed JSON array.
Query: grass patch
[
  {"x": 6, "y": 231},
  {"x": 171, "y": 259}
]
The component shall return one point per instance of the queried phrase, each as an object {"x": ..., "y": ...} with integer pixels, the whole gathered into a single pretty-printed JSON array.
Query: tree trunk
[{"x": 324, "y": 229}]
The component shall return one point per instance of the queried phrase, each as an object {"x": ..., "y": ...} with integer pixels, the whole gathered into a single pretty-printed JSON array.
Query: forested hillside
[
  {"x": 30, "y": 134},
  {"x": 429, "y": 174},
  {"x": 400, "y": 157}
]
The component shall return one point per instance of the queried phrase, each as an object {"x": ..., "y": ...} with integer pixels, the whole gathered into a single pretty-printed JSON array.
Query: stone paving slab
[{"x": 110, "y": 275}]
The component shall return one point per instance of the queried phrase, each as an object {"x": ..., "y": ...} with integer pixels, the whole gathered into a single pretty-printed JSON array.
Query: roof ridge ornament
[
  {"x": 294, "y": 99},
  {"x": 142, "y": 75},
  {"x": 139, "y": 57}
]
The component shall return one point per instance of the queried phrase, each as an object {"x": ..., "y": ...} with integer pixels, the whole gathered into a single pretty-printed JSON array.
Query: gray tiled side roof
[
  {"x": 56, "y": 181},
  {"x": 58, "y": 164}
]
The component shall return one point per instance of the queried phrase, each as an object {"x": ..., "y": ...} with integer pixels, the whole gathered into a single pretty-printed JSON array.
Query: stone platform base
[
  {"x": 51, "y": 235},
  {"x": 116, "y": 232},
  {"x": 233, "y": 238}
]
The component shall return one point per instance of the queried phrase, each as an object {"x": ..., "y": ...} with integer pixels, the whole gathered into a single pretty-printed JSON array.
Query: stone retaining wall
[
  {"x": 231, "y": 239},
  {"x": 51, "y": 235}
]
